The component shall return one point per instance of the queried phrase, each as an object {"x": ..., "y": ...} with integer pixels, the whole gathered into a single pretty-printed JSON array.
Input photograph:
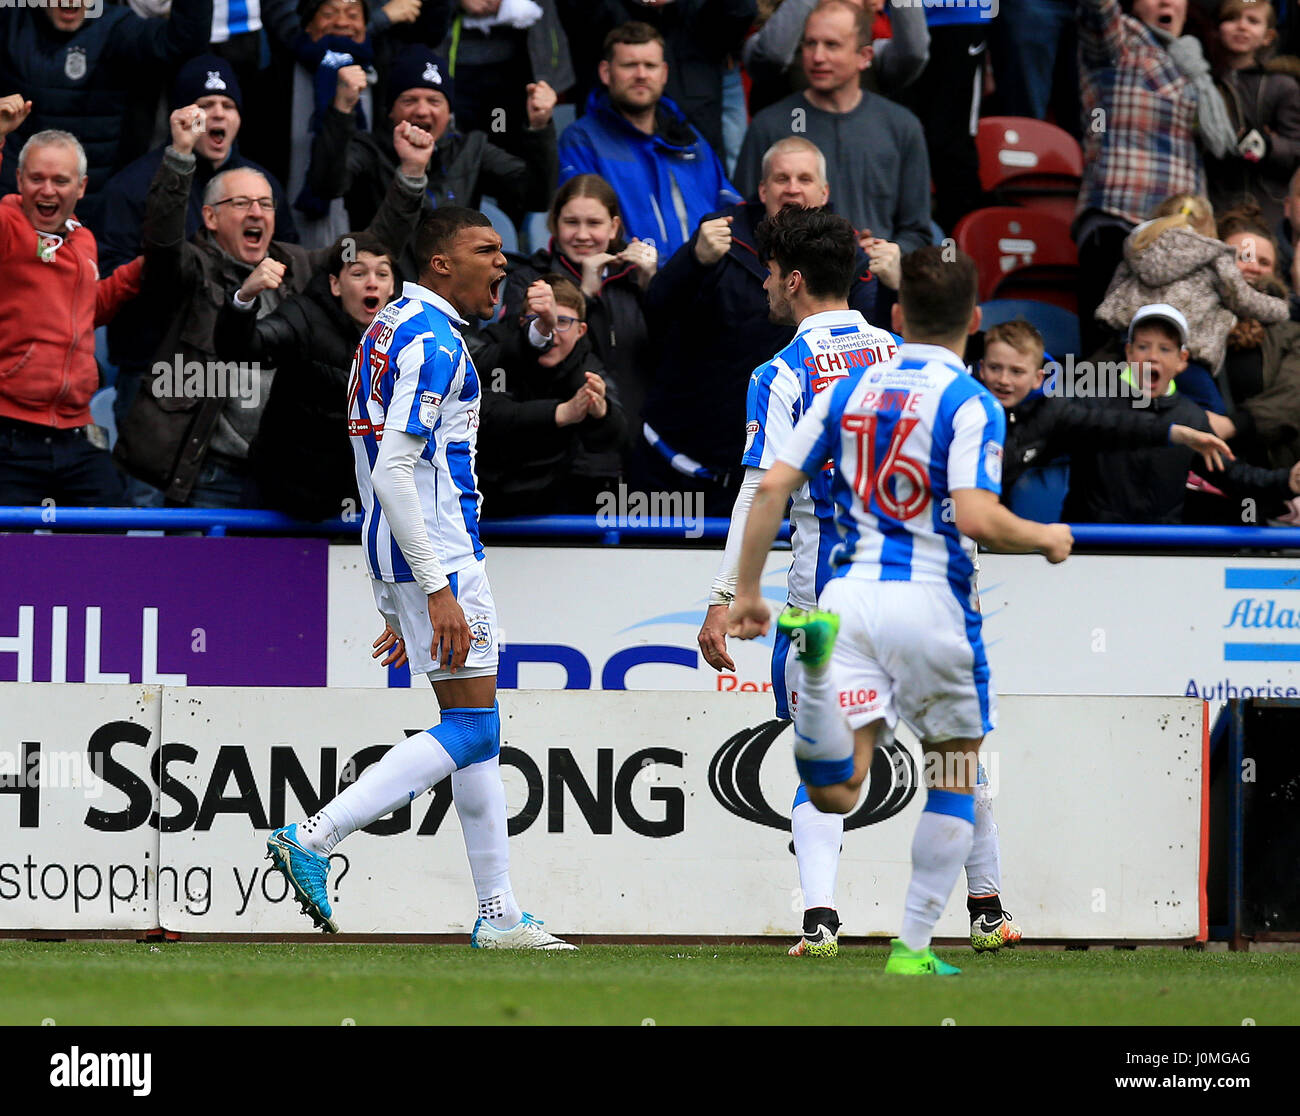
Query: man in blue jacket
[
  {"x": 81, "y": 63},
  {"x": 666, "y": 175}
]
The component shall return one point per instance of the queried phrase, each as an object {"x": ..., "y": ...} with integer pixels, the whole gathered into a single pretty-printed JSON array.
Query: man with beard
[{"x": 666, "y": 175}]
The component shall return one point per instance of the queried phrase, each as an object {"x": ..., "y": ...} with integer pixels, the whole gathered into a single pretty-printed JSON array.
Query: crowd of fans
[{"x": 233, "y": 191}]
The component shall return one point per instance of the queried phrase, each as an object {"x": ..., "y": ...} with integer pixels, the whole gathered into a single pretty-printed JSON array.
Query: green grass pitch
[{"x": 123, "y": 983}]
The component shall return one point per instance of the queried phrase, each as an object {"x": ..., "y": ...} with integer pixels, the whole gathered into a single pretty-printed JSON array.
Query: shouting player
[
  {"x": 917, "y": 450},
  {"x": 413, "y": 419}
]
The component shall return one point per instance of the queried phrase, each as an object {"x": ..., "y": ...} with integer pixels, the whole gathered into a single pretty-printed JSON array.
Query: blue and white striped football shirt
[
  {"x": 827, "y": 347},
  {"x": 903, "y": 438},
  {"x": 411, "y": 372}
]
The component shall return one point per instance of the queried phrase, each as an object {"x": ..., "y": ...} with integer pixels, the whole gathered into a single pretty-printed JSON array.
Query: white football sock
[
  {"x": 409, "y": 768},
  {"x": 821, "y": 734},
  {"x": 940, "y": 846},
  {"x": 817, "y": 839},
  {"x": 480, "y": 801},
  {"x": 984, "y": 865}
]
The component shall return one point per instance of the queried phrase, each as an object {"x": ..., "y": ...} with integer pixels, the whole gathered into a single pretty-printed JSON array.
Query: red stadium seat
[
  {"x": 1021, "y": 253},
  {"x": 1031, "y": 163}
]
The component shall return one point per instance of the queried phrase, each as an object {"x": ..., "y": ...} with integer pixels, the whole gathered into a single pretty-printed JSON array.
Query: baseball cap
[{"x": 1161, "y": 311}]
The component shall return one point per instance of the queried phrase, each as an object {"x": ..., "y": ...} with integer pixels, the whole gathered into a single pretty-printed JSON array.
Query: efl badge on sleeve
[
  {"x": 993, "y": 461},
  {"x": 429, "y": 401}
]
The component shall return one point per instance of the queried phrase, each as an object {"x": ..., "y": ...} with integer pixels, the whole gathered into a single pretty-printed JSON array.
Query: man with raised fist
[{"x": 193, "y": 444}]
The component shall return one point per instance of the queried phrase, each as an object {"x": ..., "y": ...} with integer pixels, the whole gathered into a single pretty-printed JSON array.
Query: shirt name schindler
[
  {"x": 98, "y": 1071},
  {"x": 1250, "y": 613}
]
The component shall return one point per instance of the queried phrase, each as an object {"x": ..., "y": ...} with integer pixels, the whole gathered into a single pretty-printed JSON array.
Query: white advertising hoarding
[
  {"x": 77, "y": 851},
  {"x": 667, "y": 813}
]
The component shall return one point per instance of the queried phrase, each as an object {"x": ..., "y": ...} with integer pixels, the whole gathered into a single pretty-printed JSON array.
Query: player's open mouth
[
  {"x": 370, "y": 304},
  {"x": 494, "y": 288},
  {"x": 1165, "y": 19}
]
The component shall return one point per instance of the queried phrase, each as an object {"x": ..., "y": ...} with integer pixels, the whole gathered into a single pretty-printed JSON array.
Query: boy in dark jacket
[
  {"x": 551, "y": 423},
  {"x": 1043, "y": 426},
  {"x": 1149, "y": 485}
]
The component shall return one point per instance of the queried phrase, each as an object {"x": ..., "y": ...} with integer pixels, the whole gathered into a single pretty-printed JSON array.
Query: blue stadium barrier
[{"x": 574, "y": 528}]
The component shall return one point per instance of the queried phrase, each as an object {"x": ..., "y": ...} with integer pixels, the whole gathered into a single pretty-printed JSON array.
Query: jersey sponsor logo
[
  {"x": 859, "y": 699},
  {"x": 841, "y": 363},
  {"x": 429, "y": 402},
  {"x": 751, "y": 432},
  {"x": 383, "y": 337},
  {"x": 360, "y": 428},
  {"x": 993, "y": 460},
  {"x": 821, "y": 383}
]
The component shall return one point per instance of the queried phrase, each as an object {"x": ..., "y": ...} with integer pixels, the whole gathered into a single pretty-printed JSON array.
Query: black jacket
[
  {"x": 1042, "y": 427},
  {"x": 525, "y": 462},
  {"x": 616, "y": 323},
  {"x": 1149, "y": 485},
  {"x": 84, "y": 83},
  {"x": 164, "y": 440},
  {"x": 711, "y": 329},
  {"x": 134, "y": 334},
  {"x": 302, "y": 458},
  {"x": 358, "y": 166}
]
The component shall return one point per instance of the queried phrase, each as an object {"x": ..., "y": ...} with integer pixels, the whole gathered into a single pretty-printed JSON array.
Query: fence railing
[{"x": 578, "y": 528}]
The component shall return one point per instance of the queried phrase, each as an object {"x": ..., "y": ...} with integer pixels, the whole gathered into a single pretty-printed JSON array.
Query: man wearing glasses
[{"x": 189, "y": 429}]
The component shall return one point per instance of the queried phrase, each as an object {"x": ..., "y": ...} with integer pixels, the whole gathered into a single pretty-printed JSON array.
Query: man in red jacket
[{"x": 51, "y": 300}]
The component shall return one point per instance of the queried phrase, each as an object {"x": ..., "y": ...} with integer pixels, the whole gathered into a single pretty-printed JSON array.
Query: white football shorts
[
  {"x": 908, "y": 649},
  {"x": 405, "y": 608}
]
